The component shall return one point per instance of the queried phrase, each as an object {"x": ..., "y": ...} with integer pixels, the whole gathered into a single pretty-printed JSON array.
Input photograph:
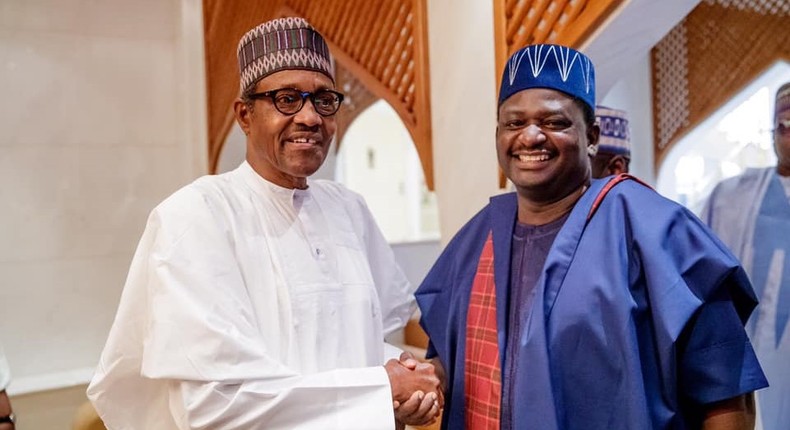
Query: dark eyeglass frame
[{"x": 303, "y": 95}]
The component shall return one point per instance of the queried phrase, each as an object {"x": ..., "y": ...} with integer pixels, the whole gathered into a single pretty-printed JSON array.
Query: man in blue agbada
[
  {"x": 751, "y": 214},
  {"x": 584, "y": 304}
]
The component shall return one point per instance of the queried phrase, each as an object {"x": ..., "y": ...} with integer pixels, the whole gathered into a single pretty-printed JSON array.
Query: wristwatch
[{"x": 8, "y": 419}]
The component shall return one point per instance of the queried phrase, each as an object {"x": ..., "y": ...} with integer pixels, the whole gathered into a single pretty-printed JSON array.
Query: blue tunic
[{"x": 639, "y": 316}]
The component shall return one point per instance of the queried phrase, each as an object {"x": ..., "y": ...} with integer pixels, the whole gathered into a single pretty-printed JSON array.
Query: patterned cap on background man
[
  {"x": 615, "y": 134},
  {"x": 282, "y": 44}
]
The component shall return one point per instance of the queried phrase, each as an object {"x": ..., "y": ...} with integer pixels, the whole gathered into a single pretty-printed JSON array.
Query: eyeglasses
[
  {"x": 783, "y": 126},
  {"x": 289, "y": 101}
]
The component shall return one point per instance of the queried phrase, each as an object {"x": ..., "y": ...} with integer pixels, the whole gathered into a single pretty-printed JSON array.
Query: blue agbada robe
[{"x": 639, "y": 315}]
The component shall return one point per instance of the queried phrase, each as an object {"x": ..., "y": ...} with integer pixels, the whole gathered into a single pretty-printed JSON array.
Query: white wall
[
  {"x": 102, "y": 117},
  {"x": 463, "y": 108},
  {"x": 632, "y": 93},
  {"x": 416, "y": 258}
]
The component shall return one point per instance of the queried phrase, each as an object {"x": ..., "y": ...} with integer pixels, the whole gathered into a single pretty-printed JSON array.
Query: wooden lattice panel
[
  {"x": 566, "y": 22},
  {"x": 224, "y": 22},
  {"x": 358, "y": 98},
  {"x": 710, "y": 56},
  {"x": 670, "y": 75},
  {"x": 382, "y": 43}
]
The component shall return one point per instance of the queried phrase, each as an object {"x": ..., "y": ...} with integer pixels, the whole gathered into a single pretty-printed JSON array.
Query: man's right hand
[{"x": 405, "y": 381}]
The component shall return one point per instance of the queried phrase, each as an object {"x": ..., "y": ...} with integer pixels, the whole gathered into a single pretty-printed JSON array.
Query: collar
[{"x": 268, "y": 189}]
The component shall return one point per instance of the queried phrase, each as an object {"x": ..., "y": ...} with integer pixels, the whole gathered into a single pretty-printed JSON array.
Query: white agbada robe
[
  {"x": 5, "y": 372},
  {"x": 732, "y": 211},
  {"x": 251, "y": 306}
]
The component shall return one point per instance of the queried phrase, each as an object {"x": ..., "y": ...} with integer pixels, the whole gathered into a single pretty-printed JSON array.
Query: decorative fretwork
[
  {"x": 382, "y": 43},
  {"x": 670, "y": 73},
  {"x": 358, "y": 98},
  {"x": 766, "y": 7},
  {"x": 224, "y": 22},
  {"x": 518, "y": 23},
  {"x": 719, "y": 48}
]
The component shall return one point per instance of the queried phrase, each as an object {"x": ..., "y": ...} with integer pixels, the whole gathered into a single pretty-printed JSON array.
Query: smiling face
[
  {"x": 286, "y": 149},
  {"x": 542, "y": 140}
]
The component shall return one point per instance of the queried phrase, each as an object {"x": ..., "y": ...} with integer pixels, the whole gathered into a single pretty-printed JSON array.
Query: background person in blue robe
[
  {"x": 556, "y": 309},
  {"x": 751, "y": 214}
]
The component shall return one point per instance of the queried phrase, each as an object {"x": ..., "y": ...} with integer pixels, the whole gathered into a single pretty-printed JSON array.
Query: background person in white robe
[
  {"x": 6, "y": 414},
  {"x": 751, "y": 214},
  {"x": 259, "y": 299}
]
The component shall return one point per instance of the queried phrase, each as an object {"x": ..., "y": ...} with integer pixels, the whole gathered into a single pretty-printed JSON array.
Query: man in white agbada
[
  {"x": 258, "y": 299},
  {"x": 6, "y": 415},
  {"x": 751, "y": 214}
]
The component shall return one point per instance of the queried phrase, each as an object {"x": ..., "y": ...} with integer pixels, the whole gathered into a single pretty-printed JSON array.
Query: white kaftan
[
  {"x": 251, "y": 306},
  {"x": 5, "y": 372}
]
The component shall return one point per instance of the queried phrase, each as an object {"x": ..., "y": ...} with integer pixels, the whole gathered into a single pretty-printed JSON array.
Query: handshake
[{"x": 417, "y": 390}]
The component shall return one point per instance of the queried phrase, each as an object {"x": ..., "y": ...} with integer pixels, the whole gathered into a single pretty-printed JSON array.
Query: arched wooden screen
[
  {"x": 358, "y": 98},
  {"x": 708, "y": 58},
  {"x": 224, "y": 22},
  {"x": 382, "y": 43},
  {"x": 518, "y": 23}
]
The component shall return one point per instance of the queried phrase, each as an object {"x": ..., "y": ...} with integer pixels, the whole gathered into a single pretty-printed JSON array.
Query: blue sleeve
[
  {"x": 716, "y": 359},
  {"x": 431, "y": 351}
]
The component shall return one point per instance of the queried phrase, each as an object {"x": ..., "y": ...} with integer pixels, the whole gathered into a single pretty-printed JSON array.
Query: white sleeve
[
  {"x": 396, "y": 293},
  {"x": 5, "y": 372},
  {"x": 338, "y": 399}
]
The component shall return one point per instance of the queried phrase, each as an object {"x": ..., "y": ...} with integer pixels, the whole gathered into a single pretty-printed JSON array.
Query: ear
[
  {"x": 243, "y": 115},
  {"x": 617, "y": 165},
  {"x": 593, "y": 133}
]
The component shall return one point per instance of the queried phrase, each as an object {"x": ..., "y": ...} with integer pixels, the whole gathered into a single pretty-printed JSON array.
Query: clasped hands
[{"x": 416, "y": 390}]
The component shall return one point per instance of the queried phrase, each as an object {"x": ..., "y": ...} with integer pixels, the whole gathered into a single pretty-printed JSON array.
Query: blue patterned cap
[
  {"x": 549, "y": 66},
  {"x": 615, "y": 135}
]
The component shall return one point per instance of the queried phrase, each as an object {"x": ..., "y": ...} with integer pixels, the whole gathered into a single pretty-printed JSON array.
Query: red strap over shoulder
[{"x": 609, "y": 185}]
